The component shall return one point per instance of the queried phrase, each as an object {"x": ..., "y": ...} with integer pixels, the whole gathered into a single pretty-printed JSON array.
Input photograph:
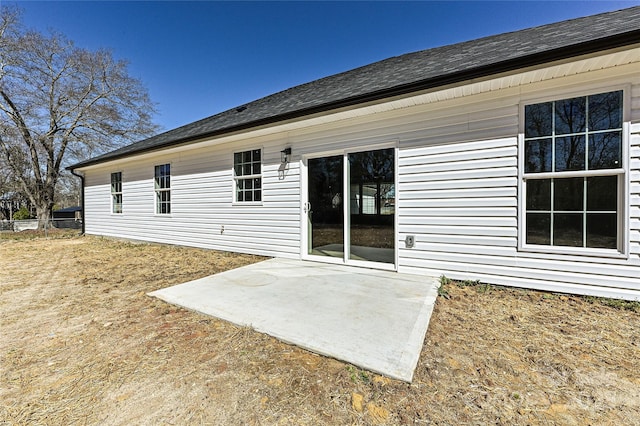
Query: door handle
[{"x": 307, "y": 207}]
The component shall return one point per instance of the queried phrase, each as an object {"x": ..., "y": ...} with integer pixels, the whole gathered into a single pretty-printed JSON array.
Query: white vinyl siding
[
  {"x": 634, "y": 186},
  {"x": 457, "y": 189},
  {"x": 202, "y": 210}
]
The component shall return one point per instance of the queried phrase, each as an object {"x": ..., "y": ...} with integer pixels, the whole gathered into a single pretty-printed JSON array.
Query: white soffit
[{"x": 460, "y": 90}]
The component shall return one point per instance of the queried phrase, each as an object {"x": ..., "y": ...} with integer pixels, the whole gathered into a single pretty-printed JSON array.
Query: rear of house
[{"x": 513, "y": 159}]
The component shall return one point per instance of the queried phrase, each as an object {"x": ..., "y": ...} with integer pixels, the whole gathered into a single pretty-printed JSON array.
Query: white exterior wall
[
  {"x": 460, "y": 200},
  {"x": 201, "y": 203},
  {"x": 457, "y": 186}
]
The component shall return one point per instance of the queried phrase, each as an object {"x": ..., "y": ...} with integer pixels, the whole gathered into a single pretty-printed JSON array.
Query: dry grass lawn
[{"x": 82, "y": 343}]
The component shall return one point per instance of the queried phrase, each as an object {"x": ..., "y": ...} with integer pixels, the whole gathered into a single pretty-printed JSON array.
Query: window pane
[
  {"x": 117, "y": 203},
  {"x": 539, "y": 194},
  {"x": 162, "y": 173},
  {"x": 537, "y": 155},
  {"x": 245, "y": 164},
  {"x": 568, "y": 194},
  {"x": 605, "y": 150},
  {"x": 539, "y": 228},
  {"x": 116, "y": 182},
  {"x": 602, "y": 193},
  {"x": 602, "y": 230},
  {"x": 570, "y": 116},
  {"x": 537, "y": 120},
  {"x": 570, "y": 152},
  {"x": 567, "y": 229},
  {"x": 605, "y": 111}
]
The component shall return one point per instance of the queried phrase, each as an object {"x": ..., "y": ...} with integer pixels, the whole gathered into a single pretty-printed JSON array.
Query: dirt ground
[{"x": 82, "y": 343}]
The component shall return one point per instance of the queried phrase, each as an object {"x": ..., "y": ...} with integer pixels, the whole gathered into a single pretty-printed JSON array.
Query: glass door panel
[
  {"x": 372, "y": 205},
  {"x": 325, "y": 209}
]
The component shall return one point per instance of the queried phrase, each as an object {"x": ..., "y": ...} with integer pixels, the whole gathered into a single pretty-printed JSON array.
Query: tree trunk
[
  {"x": 43, "y": 214},
  {"x": 44, "y": 207}
]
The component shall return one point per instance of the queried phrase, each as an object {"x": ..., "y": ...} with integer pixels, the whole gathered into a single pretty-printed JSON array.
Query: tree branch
[{"x": 24, "y": 131}]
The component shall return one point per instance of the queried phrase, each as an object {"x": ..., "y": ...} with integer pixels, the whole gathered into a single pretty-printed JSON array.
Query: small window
[
  {"x": 573, "y": 172},
  {"x": 163, "y": 188},
  {"x": 116, "y": 192},
  {"x": 247, "y": 171}
]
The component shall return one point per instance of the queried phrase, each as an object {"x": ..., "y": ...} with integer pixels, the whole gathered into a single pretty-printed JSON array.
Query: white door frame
[{"x": 304, "y": 199}]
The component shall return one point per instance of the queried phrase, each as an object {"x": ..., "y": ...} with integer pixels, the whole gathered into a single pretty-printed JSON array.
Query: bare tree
[{"x": 60, "y": 103}]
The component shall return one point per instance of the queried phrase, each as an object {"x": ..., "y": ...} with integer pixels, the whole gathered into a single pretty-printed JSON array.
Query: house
[
  {"x": 68, "y": 217},
  {"x": 513, "y": 159}
]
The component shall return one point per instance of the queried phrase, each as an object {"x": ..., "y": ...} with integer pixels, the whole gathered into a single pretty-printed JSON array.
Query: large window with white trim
[
  {"x": 573, "y": 172},
  {"x": 116, "y": 192},
  {"x": 162, "y": 183},
  {"x": 247, "y": 170}
]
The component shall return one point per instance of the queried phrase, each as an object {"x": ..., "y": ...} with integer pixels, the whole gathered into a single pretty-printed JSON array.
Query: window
[
  {"x": 573, "y": 172},
  {"x": 116, "y": 192},
  {"x": 247, "y": 169},
  {"x": 163, "y": 188}
]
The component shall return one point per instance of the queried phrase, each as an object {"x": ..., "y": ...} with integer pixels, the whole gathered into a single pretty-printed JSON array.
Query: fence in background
[{"x": 24, "y": 225}]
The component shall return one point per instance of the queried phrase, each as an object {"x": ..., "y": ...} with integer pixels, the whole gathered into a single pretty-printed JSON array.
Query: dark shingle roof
[
  {"x": 409, "y": 73},
  {"x": 68, "y": 210}
]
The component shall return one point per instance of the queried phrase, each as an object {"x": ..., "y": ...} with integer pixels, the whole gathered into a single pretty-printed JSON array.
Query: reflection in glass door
[
  {"x": 372, "y": 194},
  {"x": 368, "y": 217},
  {"x": 325, "y": 213}
]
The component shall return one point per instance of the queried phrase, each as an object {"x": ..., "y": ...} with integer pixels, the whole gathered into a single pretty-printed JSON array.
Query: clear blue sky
[{"x": 201, "y": 58}]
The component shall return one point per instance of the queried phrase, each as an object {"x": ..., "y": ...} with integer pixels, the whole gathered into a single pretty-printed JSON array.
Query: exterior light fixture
[{"x": 285, "y": 155}]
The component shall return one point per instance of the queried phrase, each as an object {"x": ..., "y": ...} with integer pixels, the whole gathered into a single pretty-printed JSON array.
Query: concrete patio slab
[{"x": 374, "y": 319}]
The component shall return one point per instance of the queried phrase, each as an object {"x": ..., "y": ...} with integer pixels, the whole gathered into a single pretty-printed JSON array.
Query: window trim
[
  {"x": 114, "y": 193},
  {"x": 622, "y": 251},
  {"x": 234, "y": 195},
  {"x": 156, "y": 190}
]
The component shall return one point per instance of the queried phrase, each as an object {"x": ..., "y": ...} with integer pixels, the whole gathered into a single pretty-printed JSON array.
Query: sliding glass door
[
  {"x": 372, "y": 206},
  {"x": 325, "y": 211},
  {"x": 350, "y": 207}
]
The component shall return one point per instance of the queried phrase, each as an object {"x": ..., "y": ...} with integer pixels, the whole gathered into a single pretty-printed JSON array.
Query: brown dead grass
[{"x": 82, "y": 343}]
